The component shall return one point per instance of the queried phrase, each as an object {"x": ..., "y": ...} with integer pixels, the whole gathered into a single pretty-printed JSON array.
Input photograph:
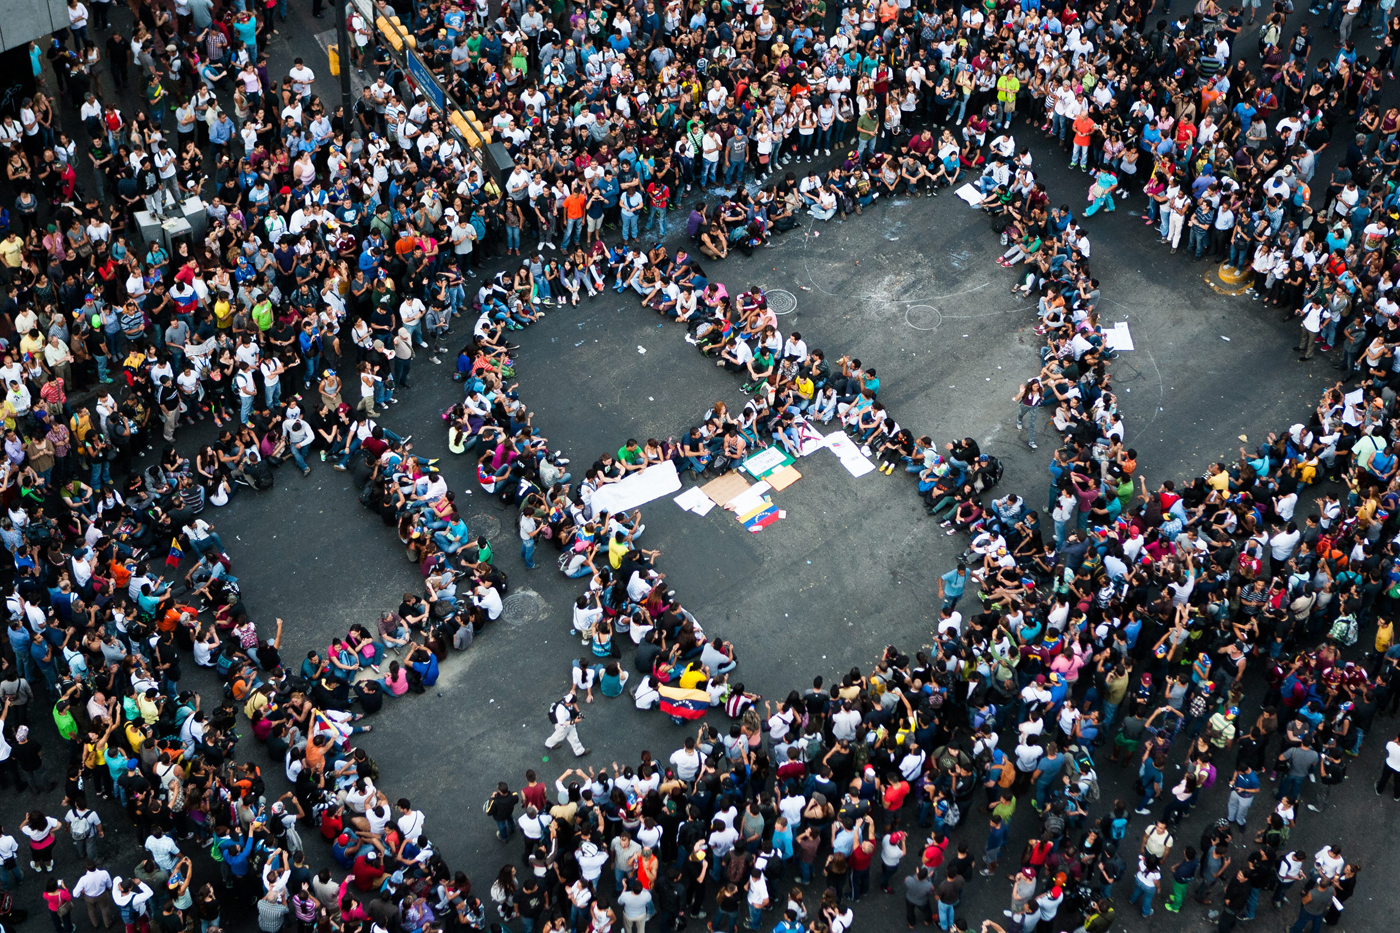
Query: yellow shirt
[
  {"x": 12, "y": 251},
  {"x": 616, "y": 551},
  {"x": 690, "y": 679}
]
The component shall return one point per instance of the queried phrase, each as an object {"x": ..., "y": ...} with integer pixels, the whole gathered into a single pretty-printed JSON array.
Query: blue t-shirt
[
  {"x": 1246, "y": 782},
  {"x": 428, "y": 670},
  {"x": 954, "y": 582}
]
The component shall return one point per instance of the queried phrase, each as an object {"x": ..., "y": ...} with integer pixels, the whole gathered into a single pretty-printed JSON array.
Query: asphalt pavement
[{"x": 910, "y": 287}]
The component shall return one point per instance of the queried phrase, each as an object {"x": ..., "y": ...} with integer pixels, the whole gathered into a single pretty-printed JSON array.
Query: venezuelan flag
[{"x": 683, "y": 703}]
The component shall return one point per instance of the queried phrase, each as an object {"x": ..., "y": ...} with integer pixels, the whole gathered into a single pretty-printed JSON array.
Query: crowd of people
[{"x": 1125, "y": 623}]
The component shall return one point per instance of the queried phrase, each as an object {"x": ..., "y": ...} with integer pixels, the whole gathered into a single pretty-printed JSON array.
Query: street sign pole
[{"x": 342, "y": 39}]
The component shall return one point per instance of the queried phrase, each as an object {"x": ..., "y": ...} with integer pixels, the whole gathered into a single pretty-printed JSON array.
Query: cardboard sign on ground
[
  {"x": 782, "y": 479},
  {"x": 725, "y": 488}
]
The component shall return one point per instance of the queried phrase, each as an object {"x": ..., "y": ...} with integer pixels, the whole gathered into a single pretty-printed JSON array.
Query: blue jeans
[
  {"x": 272, "y": 394},
  {"x": 734, "y": 174},
  {"x": 1306, "y": 920},
  {"x": 299, "y": 457},
  {"x": 946, "y": 914},
  {"x": 512, "y": 238},
  {"x": 629, "y": 226},
  {"x": 1252, "y": 905},
  {"x": 210, "y": 543},
  {"x": 447, "y": 544},
  {"x": 573, "y": 230},
  {"x": 245, "y": 408},
  {"x": 1109, "y": 712},
  {"x": 527, "y": 552},
  {"x": 1289, "y": 787},
  {"x": 755, "y": 917},
  {"x": 708, "y": 171},
  {"x": 8, "y": 875},
  {"x": 657, "y": 218},
  {"x": 401, "y": 368},
  {"x": 1199, "y": 241},
  {"x": 1142, "y": 894},
  {"x": 101, "y": 474},
  {"x": 353, "y": 446}
]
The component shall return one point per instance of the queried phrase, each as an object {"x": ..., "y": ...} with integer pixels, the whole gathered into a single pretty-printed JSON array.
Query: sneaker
[
  {"x": 435, "y": 360},
  {"x": 1031, "y": 444},
  {"x": 1142, "y": 812}
]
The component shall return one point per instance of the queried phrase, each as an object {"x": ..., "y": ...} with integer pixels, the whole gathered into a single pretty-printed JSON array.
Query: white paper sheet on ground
[
  {"x": 970, "y": 194},
  {"x": 848, "y": 452},
  {"x": 764, "y": 460},
  {"x": 748, "y": 499},
  {"x": 841, "y": 445},
  {"x": 638, "y": 489},
  {"x": 1351, "y": 414},
  {"x": 1118, "y": 338},
  {"x": 859, "y": 465},
  {"x": 692, "y": 500}
]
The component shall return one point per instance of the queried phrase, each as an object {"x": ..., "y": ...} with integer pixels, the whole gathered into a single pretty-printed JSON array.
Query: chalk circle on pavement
[{"x": 923, "y": 317}]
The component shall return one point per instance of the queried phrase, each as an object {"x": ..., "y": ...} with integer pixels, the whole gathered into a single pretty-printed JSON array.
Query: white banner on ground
[{"x": 638, "y": 489}]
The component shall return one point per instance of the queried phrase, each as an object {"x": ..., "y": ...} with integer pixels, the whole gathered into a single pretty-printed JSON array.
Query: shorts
[{"x": 595, "y": 224}]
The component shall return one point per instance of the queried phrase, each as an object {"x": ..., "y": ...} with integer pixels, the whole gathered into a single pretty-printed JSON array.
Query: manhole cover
[
  {"x": 923, "y": 317},
  {"x": 781, "y": 301},
  {"x": 488, "y": 525},
  {"x": 522, "y": 607}
]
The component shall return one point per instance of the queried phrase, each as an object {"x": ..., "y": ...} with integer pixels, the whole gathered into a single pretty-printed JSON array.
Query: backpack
[
  {"x": 1344, "y": 630},
  {"x": 553, "y": 712},
  {"x": 261, "y": 475},
  {"x": 1118, "y": 828},
  {"x": 81, "y": 825}
]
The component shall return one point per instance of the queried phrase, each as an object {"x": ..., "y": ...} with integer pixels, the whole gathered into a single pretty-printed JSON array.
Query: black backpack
[{"x": 261, "y": 475}]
